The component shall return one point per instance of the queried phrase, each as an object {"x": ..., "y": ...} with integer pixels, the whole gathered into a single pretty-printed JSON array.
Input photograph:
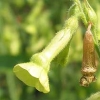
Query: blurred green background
[{"x": 26, "y": 27}]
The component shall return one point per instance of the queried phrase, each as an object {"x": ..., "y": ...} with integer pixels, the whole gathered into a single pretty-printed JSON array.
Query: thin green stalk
[
  {"x": 13, "y": 92},
  {"x": 82, "y": 15}
]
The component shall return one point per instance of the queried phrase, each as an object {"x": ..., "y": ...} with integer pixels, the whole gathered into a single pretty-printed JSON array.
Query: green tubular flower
[{"x": 35, "y": 72}]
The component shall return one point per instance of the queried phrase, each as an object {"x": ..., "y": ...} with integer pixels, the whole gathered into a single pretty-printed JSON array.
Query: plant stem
[{"x": 82, "y": 15}]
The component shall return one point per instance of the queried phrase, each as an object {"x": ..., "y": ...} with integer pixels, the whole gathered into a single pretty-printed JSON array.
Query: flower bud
[{"x": 88, "y": 63}]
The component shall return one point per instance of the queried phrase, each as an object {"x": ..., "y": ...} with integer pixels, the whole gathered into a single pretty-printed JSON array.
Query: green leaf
[
  {"x": 33, "y": 75},
  {"x": 62, "y": 57}
]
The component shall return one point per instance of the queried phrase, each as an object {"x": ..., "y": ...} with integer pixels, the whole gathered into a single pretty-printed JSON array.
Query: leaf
[{"x": 62, "y": 57}]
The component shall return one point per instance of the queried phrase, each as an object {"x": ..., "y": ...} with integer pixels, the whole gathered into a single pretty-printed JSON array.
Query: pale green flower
[{"x": 33, "y": 75}]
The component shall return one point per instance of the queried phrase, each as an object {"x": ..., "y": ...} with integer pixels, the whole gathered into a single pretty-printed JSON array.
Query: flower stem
[{"x": 82, "y": 15}]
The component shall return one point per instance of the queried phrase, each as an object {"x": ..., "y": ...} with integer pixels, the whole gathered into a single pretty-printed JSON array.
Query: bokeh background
[{"x": 26, "y": 27}]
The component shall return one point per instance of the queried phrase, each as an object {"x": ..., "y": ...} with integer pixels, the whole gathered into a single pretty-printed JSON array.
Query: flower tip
[{"x": 32, "y": 75}]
